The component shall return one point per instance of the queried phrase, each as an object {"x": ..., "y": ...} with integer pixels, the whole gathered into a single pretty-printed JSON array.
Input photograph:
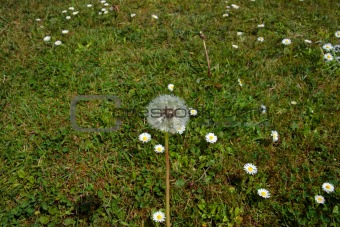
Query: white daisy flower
[
  {"x": 240, "y": 82},
  {"x": 159, "y": 148},
  {"x": 180, "y": 129},
  {"x": 328, "y": 187},
  {"x": 239, "y": 33},
  {"x": 145, "y": 137},
  {"x": 159, "y": 216},
  {"x": 38, "y": 19},
  {"x": 102, "y": 1},
  {"x": 337, "y": 34},
  {"x": 293, "y": 102},
  {"x": 211, "y": 138},
  {"x": 235, "y": 46},
  {"x": 327, "y": 47},
  {"x": 106, "y": 12},
  {"x": 225, "y": 15},
  {"x": 89, "y": 5},
  {"x": 250, "y": 168},
  {"x": 100, "y": 13},
  {"x": 106, "y": 4},
  {"x": 235, "y": 6},
  {"x": 319, "y": 199},
  {"x": 228, "y": 7},
  {"x": 167, "y": 113},
  {"x": 68, "y": 18},
  {"x": 260, "y": 25},
  {"x": 171, "y": 87},
  {"x": 263, "y": 109},
  {"x": 132, "y": 15},
  {"x": 286, "y": 41},
  {"x": 71, "y": 8},
  {"x": 64, "y": 31},
  {"x": 308, "y": 41},
  {"x": 264, "y": 193},
  {"x": 64, "y": 11},
  {"x": 75, "y": 12},
  {"x": 275, "y": 136},
  {"x": 260, "y": 39},
  {"x": 57, "y": 43},
  {"x": 103, "y": 9},
  {"x": 192, "y": 112},
  {"x": 47, "y": 38},
  {"x": 154, "y": 16},
  {"x": 328, "y": 57}
]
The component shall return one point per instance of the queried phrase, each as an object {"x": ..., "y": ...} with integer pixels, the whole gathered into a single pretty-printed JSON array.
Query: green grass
[{"x": 54, "y": 175}]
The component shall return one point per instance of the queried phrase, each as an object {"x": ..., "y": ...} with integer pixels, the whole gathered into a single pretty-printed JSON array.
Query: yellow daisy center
[
  {"x": 211, "y": 137},
  {"x": 250, "y": 169},
  {"x": 145, "y": 138},
  {"x": 159, "y": 148},
  {"x": 263, "y": 193},
  {"x": 159, "y": 217},
  {"x": 328, "y": 187},
  {"x": 320, "y": 199}
]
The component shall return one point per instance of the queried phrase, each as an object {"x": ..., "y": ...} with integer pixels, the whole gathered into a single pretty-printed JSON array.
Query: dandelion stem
[
  {"x": 206, "y": 52},
  {"x": 167, "y": 196}
]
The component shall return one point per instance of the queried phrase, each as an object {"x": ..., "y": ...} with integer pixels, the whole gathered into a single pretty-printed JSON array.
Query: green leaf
[
  {"x": 44, "y": 220},
  {"x": 69, "y": 221},
  {"x": 21, "y": 174},
  {"x": 336, "y": 210}
]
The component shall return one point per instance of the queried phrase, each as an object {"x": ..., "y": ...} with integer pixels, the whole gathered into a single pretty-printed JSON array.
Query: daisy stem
[{"x": 167, "y": 196}]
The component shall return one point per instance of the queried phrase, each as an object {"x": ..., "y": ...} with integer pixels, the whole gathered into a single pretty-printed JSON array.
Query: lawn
[{"x": 271, "y": 99}]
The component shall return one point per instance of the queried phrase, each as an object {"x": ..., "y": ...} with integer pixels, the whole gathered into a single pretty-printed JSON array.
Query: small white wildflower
[
  {"x": 264, "y": 193},
  {"x": 240, "y": 82},
  {"x": 103, "y": 1},
  {"x": 145, "y": 137},
  {"x": 336, "y": 48},
  {"x": 260, "y": 39},
  {"x": 239, "y": 33},
  {"x": 132, "y": 15},
  {"x": 293, "y": 102},
  {"x": 211, "y": 138},
  {"x": 180, "y": 129},
  {"x": 68, "y": 17},
  {"x": 327, "y": 187},
  {"x": 263, "y": 109},
  {"x": 71, "y": 8},
  {"x": 225, "y": 15},
  {"x": 106, "y": 12},
  {"x": 192, "y": 112},
  {"x": 286, "y": 41},
  {"x": 75, "y": 12},
  {"x": 154, "y": 16},
  {"x": 64, "y": 11},
  {"x": 159, "y": 216},
  {"x": 57, "y": 43},
  {"x": 327, "y": 47},
  {"x": 308, "y": 41},
  {"x": 171, "y": 87},
  {"x": 64, "y": 31},
  {"x": 235, "y": 6},
  {"x": 337, "y": 34},
  {"x": 228, "y": 7},
  {"x": 260, "y": 25},
  {"x": 100, "y": 13},
  {"x": 275, "y": 136},
  {"x": 103, "y": 9},
  {"x": 320, "y": 199},
  {"x": 47, "y": 38},
  {"x": 38, "y": 19},
  {"x": 106, "y": 4},
  {"x": 89, "y": 5},
  {"x": 235, "y": 46},
  {"x": 328, "y": 57},
  {"x": 250, "y": 168},
  {"x": 159, "y": 148}
]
